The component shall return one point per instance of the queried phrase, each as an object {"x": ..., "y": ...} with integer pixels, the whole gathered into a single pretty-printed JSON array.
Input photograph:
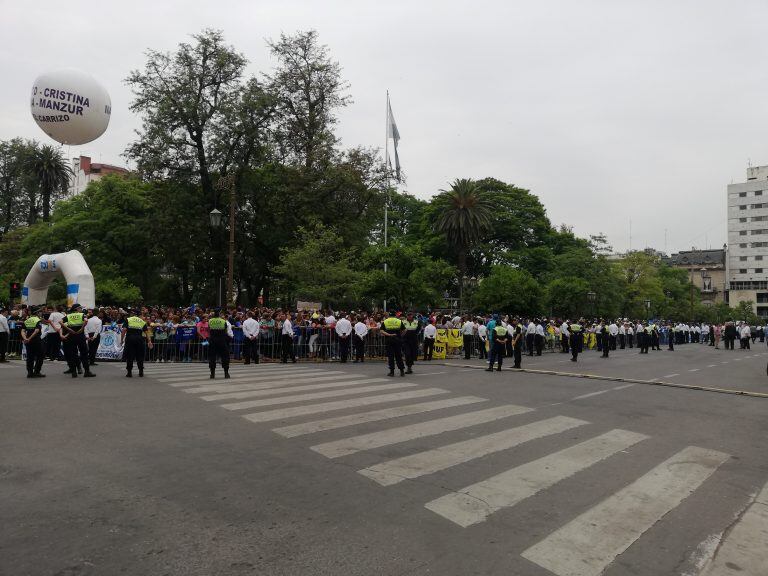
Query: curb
[{"x": 618, "y": 379}]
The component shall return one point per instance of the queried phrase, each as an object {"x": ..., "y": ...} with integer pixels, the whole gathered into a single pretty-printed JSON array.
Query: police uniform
[
  {"x": 410, "y": 343},
  {"x": 517, "y": 345},
  {"x": 32, "y": 330},
  {"x": 499, "y": 335},
  {"x": 393, "y": 328},
  {"x": 577, "y": 341},
  {"x": 219, "y": 345},
  {"x": 75, "y": 345},
  {"x": 133, "y": 344}
]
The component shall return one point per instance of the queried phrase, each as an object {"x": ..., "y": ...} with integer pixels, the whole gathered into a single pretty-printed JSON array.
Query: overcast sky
[{"x": 609, "y": 111}]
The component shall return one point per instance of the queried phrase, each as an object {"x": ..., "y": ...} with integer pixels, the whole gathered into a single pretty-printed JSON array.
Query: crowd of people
[{"x": 262, "y": 333}]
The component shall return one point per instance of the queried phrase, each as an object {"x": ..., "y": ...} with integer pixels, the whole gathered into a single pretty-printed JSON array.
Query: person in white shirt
[
  {"x": 539, "y": 340},
  {"x": 5, "y": 332},
  {"x": 613, "y": 332},
  {"x": 358, "y": 340},
  {"x": 52, "y": 338},
  {"x": 344, "y": 332},
  {"x": 250, "y": 339},
  {"x": 630, "y": 335},
  {"x": 744, "y": 334},
  {"x": 530, "y": 337},
  {"x": 286, "y": 338},
  {"x": 482, "y": 333},
  {"x": 93, "y": 335},
  {"x": 430, "y": 332},
  {"x": 468, "y": 336},
  {"x": 565, "y": 335}
]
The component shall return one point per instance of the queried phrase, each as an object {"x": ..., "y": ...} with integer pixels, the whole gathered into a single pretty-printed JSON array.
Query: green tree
[
  {"x": 509, "y": 290},
  {"x": 309, "y": 91},
  {"x": 320, "y": 269},
  {"x": 187, "y": 101},
  {"x": 462, "y": 214},
  {"x": 412, "y": 279},
  {"x": 18, "y": 194},
  {"x": 50, "y": 173},
  {"x": 745, "y": 311},
  {"x": 567, "y": 297}
]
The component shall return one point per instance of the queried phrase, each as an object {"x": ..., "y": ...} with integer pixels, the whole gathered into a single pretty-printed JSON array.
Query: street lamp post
[
  {"x": 227, "y": 183},
  {"x": 648, "y": 309},
  {"x": 591, "y": 296}
]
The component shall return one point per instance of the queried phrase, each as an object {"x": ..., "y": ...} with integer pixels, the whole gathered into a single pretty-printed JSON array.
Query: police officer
[
  {"x": 499, "y": 339},
  {"x": 577, "y": 339},
  {"x": 410, "y": 341},
  {"x": 392, "y": 329},
  {"x": 73, "y": 329},
  {"x": 30, "y": 335},
  {"x": 221, "y": 332},
  {"x": 671, "y": 336},
  {"x": 135, "y": 330}
]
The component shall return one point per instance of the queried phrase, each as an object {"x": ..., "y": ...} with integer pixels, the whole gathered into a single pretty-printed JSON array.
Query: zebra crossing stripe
[
  {"x": 274, "y": 391},
  {"x": 313, "y": 396},
  {"x": 374, "y": 416},
  {"x": 354, "y": 444},
  {"x": 294, "y": 411},
  {"x": 258, "y": 384},
  {"x": 476, "y": 502},
  {"x": 744, "y": 549},
  {"x": 204, "y": 380},
  {"x": 431, "y": 461},
  {"x": 588, "y": 544},
  {"x": 240, "y": 375},
  {"x": 203, "y": 367}
]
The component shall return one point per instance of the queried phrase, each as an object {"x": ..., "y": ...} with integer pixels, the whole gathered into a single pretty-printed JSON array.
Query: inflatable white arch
[{"x": 80, "y": 286}]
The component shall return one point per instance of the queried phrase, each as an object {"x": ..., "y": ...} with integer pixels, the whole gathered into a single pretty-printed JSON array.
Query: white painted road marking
[
  {"x": 285, "y": 413},
  {"x": 374, "y": 416},
  {"x": 274, "y": 391},
  {"x": 269, "y": 383},
  {"x": 602, "y": 392},
  {"x": 431, "y": 461},
  {"x": 588, "y": 544},
  {"x": 205, "y": 377},
  {"x": 354, "y": 444},
  {"x": 670, "y": 375},
  {"x": 476, "y": 502},
  {"x": 744, "y": 549},
  {"x": 313, "y": 396}
]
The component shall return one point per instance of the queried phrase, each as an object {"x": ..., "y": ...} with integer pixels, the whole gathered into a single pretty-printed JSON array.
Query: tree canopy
[{"x": 308, "y": 211}]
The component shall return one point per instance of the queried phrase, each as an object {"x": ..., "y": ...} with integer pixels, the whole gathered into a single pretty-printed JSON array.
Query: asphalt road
[{"x": 333, "y": 469}]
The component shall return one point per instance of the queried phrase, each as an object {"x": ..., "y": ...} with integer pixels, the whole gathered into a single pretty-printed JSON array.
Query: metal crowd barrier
[{"x": 309, "y": 345}]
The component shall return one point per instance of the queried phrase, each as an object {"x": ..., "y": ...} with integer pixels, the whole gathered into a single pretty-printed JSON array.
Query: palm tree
[
  {"x": 463, "y": 215},
  {"x": 50, "y": 173}
]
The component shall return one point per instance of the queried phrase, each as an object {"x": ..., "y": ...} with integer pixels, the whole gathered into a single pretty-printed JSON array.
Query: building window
[
  {"x": 743, "y": 207},
  {"x": 759, "y": 193},
  {"x": 758, "y": 270},
  {"x": 742, "y": 258},
  {"x": 758, "y": 257},
  {"x": 742, "y": 194},
  {"x": 742, "y": 245},
  {"x": 759, "y": 218},
  {"x": 758, "y": 231},
  {"x": 742, "y": 232},
  {"x": 742, "y": 270},
  {"x": 742, "y": 220},
  {"x": 758, "y": 205}
]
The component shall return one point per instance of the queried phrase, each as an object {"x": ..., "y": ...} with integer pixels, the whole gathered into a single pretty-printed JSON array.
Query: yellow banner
[{"x": 454, "y": 339}]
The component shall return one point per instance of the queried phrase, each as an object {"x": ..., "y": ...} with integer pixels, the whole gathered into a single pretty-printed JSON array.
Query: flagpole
[{"x": 386, "y": 183}]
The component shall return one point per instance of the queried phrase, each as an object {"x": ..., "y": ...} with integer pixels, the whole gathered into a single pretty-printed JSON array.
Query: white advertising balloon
[{"x": 70, "y": 106}]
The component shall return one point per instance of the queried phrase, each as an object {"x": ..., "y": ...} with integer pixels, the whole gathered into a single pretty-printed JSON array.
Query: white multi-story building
[
  {"x": 747, "y": 259},
  {"x": 84, "y": 172}
]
